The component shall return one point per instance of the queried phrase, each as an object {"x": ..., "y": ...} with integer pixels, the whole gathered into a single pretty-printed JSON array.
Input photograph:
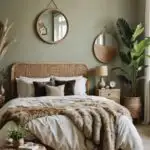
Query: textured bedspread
[{"x": 95, "y": 117}]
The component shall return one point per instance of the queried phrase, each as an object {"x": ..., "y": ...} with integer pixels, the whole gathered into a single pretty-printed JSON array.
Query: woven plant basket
[{"x": 133, "y": 104}]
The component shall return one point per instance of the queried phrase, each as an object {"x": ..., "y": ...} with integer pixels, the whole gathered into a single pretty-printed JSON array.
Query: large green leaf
[
  {"x": 125, "y": 57},
  {"x": 139, "y": 48},
  {"x": 135, "y": 45},
  {"x": 125, "y": 32},
  {"x": 141, "y": 60},
  {"x": 139, "y": 30}
]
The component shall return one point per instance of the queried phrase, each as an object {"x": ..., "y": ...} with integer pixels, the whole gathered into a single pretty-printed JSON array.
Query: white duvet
[{"x": 60, "y": 133}]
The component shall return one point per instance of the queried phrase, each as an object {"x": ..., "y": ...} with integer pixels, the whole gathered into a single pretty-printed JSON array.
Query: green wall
[
  {"x": 86, "y": 20},
  {"x": 141, "y": 11}
]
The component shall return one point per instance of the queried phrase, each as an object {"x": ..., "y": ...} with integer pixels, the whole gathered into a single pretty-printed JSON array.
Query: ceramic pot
[
  {"x": 101, "y": 83},
  {"x": 133, "y": 104},
  {"x": 18, "y": 143}
]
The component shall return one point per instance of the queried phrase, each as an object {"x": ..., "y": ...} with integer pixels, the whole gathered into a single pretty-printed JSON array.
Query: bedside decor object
[
  {"x": 107, "y": 87},
  {"x": 105, "y": 47},
  {"x": 17, "y": 136},
  {"x": 112, "y": 94},
  {"x": 112, "y": 84},
  {"x": 101, "y": 71},
  {"x": 52, "y": 25},
  {"x": 133, "y": 60}
]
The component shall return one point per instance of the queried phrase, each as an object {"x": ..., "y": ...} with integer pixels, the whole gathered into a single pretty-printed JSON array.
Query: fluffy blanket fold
[{"x": 95, "y": 119}]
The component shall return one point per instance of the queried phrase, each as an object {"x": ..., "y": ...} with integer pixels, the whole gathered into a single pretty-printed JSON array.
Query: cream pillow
[
  {"x": 25, "y": 87},
  {"x": 55, "y": 90}
]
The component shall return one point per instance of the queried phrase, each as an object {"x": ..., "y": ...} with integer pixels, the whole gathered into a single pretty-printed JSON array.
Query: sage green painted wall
[
  {"x": 141, "y": 11},
  {"x": 86, "y": 20}
]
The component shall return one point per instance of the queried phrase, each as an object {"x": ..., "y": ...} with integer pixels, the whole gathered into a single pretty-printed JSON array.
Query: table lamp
[{"x": 101, "y": 71}]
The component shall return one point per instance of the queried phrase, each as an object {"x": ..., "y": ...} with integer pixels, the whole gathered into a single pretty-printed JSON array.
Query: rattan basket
[{"x": 133, "y": 104}]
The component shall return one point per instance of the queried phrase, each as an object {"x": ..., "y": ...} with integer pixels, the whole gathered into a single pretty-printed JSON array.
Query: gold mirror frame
[{"x": 38, "y": 32}]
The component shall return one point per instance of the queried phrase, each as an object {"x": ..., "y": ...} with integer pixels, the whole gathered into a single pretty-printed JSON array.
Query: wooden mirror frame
[{"x": 37, "y": 20}]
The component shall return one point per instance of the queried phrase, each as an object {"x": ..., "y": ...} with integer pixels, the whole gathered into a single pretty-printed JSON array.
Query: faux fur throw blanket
[{"x": 95, "y": 119}]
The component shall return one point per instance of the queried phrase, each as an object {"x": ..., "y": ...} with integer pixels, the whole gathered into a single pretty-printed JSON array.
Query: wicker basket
[{"x": 134, "y": 106}]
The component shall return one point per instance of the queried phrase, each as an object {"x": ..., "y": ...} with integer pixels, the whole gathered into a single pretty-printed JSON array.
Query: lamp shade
[{"x": 102, "y": 71}]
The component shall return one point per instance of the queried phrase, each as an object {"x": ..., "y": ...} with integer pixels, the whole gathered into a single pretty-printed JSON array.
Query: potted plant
[
  {"x": 16, "y": 136},
  {"x": 133, "y": 62}
]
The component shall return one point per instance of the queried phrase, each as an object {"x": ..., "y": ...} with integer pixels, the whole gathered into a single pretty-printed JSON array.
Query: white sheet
[{"x": 56, "y": 127}]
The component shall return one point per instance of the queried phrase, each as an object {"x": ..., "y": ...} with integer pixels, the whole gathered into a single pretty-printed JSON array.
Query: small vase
[
  {"x": 18, "y": 143},
  {"x": 101, "y": 83}
]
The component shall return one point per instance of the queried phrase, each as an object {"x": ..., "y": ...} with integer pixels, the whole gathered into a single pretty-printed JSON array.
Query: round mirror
[
  {"x": 105, "y": 47},
  {"x": 52, "y": 26}
]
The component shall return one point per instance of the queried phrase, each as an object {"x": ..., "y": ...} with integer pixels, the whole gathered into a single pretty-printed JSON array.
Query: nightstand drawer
[{"x": 112, "y": 94}]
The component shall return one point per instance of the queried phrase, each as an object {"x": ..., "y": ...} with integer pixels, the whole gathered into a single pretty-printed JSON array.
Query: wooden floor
[{"x": 144, "y": 131}]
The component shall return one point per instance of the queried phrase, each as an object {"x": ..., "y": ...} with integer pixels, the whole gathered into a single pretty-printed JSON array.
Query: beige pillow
[
  {"x": 25, "y": 87},
  {"x": 55, "y": 90}
]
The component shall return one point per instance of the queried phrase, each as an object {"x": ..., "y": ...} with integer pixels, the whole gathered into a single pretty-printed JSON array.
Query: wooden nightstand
[{"x": 112, "y": 94}]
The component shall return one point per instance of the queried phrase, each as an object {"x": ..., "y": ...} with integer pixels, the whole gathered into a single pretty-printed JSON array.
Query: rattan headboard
[{"x": 45, "y": 70}]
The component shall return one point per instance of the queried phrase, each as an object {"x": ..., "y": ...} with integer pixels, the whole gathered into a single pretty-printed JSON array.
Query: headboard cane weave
[{"x": 45, "y": 70}]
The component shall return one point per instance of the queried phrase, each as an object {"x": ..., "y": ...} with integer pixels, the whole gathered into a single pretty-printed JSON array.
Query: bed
[{"x": 63, "y": 118}]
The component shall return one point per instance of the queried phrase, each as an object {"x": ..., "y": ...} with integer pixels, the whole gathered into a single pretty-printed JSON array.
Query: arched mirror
[
  {"x": 105, "y": 47},
  {"x": 52, "y": 26}
]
